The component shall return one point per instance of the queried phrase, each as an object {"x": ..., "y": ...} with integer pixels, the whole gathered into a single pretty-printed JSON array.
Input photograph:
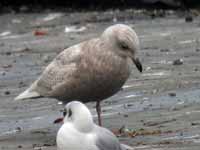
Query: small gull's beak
[
  {"x": 137, "y": 64},
  {"x": 59, "y": 120}
]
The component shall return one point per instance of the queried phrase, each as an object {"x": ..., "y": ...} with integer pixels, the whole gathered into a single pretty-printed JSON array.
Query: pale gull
[
  {"x": 79, "y": 132},
  {"x": 90, "y": 71}
]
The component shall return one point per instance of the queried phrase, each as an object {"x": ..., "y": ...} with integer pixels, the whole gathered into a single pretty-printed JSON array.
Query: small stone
[
  {"x": 8, "y": 53},
  {"x": 47, "y": 144},
  {"x": 150, "y": 105},
  {"x": 154, "y": 91},
  {"x": 3, "y": 73},
  {"x": 21, "y": 84},
  {"x": 125, "y": 115},
  {"x": 172, "y": 94},
  {"x": 178, "y": 62},
  {"x": 129, "y": 105},
  {"x": 152, "y": 15},
  {"x": 7, "y": 66},
  {"x": 46, "y": 58},
  {"x": 181, "y": 134},
  {"x": 19, "y": 129},
  {"x": 71, "y": 38},
  {"x": 20, "y": 146},
  {"x": 164, "y": 50},
  {"x": 195, "y": 123},
  {"x": 7, "y": 92},
  {"x": 197, "y": 50},
  {"x": 188, "y": 19}
]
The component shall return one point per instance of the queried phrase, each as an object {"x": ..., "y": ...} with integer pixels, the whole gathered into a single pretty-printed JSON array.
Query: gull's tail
[
  {"x": 26, "y": 95},
  {"x": 30, "y": 93}
]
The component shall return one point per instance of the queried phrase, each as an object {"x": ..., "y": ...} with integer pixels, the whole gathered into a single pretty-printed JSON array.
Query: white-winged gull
[{"x": 89, "y": 71}]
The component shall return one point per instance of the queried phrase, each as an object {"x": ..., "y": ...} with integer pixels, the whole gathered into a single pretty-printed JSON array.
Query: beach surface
[{"x": 156, "y": 110}]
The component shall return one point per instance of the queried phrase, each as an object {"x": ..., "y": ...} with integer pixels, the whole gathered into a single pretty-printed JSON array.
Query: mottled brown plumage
[{"x": 90, "y": 71}]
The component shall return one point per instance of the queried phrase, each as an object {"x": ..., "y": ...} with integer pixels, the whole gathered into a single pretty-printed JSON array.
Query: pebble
[
  {"x": 46, "y": 58},
  {"x": 188, "y": 19},
  {"x": 178, "y": 62},
  {"x": 172, "y": 94},
  {"x": 7, "y": 66},
  {"x": 164, "y": 50},
  {"x": 197, "y": 50},
  {"x": 7, "y": 92},
  {"x": 3, "y": 73},
  {"x": 125, "y": 115},
  {"x": 21, "y": 84},
  {"x": 19, "y": 129},
  {"x": 8, "y": 53},
  {"x": 195, "y": 123}
]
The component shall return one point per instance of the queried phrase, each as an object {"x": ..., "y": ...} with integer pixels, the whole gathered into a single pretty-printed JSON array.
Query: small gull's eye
[
  {"x": 64, "y": 112},
  {"x": 70, "y": 113}
]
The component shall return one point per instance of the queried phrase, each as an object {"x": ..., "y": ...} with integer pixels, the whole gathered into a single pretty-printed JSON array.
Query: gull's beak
[
  {"x": 59, "y": 120},
  {"x": 137, "y": 64}
]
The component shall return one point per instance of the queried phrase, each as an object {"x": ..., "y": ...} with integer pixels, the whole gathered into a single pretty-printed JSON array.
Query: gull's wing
[
  {"x": 60, "y": 72},
  {"x": 106, "y": 140},
  {"x": 56, "y": 75}
]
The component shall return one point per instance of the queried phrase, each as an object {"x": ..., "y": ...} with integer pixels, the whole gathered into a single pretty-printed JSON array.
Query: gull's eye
[
  {"x": 64, "y": 112},
  {"x": 70, "y": 113},
  {"x": 124, "y": 46}
]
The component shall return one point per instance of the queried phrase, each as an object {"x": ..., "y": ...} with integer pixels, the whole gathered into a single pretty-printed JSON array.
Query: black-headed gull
[{"x": 79, "y": 132}]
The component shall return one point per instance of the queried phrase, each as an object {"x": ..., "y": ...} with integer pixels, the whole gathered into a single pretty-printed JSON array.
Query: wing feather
[
  {"x": 106, "y": 140},
  {"x": 59, "y": 72}
]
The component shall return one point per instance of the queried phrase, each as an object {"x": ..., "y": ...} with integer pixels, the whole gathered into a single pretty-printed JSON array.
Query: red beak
[{"x": 59, "y": 120}]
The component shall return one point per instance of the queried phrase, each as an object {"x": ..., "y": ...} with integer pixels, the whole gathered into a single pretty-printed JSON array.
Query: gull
[
  {"x": 79, "y": 132},
  {"x": 90, "y": 71}
]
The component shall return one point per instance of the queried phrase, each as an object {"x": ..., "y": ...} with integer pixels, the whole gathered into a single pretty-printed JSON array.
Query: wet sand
[{"x": 156, "y": 110}]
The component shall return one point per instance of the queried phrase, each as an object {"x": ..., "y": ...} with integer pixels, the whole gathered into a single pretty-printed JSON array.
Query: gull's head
[
  {"x": 124, "y": 41},
  {"x": 79, "y": 115}
]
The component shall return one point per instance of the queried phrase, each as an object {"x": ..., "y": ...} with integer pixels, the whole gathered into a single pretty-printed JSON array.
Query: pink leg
[{"x": 98, "y": 109}]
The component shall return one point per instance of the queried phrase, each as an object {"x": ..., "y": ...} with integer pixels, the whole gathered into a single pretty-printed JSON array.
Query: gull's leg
[{"x": 98, "y": 109}]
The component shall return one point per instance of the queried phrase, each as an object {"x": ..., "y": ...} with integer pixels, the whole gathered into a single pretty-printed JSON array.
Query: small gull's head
[
  {"x": 79, "y": 115},
  {"x": 124, "y": 41}
]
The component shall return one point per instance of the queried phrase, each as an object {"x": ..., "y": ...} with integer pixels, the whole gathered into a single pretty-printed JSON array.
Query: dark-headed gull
[
  {"x": 79, "y": 132},
  {"x": 90, "y": 71}
]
